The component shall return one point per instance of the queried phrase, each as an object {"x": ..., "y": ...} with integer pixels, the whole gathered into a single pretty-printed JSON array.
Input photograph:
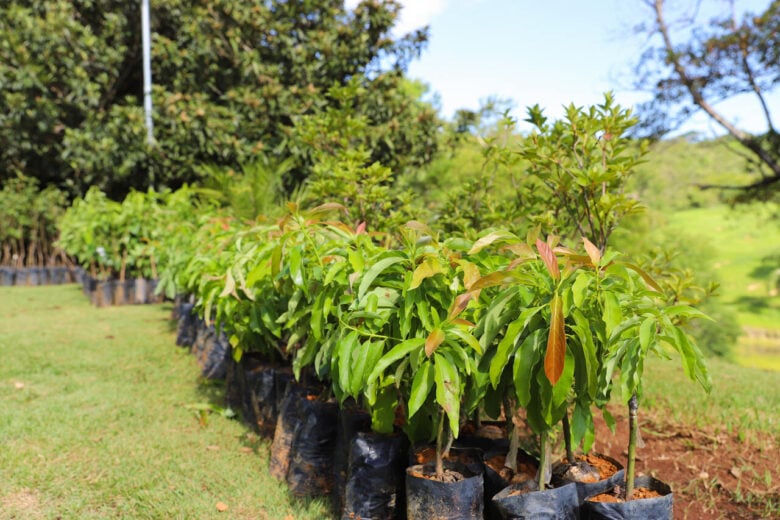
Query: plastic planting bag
[
  {"x": 375, "y": 483},
  {"x": 311, "y": 453}
]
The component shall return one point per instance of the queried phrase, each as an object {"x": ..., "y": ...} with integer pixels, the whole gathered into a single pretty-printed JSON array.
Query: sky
[{"x": 552, "y": 52}]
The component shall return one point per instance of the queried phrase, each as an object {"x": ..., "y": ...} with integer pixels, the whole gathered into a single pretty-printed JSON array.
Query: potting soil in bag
[
  {"x": 375, "y": 482},
  {"x": 657, "y": 508},
  {"x": 458, "y": 500},
  {"x": 592, "y": 474},
  {"x": 286, "y": 428},
  {"x": 311, "y": 454},
  {"x": 520, "y": 501},
  {"x": 186, "y": 326},
  {"x": 351, "y": 422}
]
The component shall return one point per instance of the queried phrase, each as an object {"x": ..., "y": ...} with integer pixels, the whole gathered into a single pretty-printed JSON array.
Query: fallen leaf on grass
[
  {"x": 18, "y": 385},
  {"x": 222, "y": 507},
  {"x": 736, "y": 472},
  {"x": 246, "y": 449},
  {"x": 212, "y": 447},
  {"x": 289, "y": 517}
]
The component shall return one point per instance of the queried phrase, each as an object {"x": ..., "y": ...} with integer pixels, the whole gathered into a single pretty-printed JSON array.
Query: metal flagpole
[{"x": 146, "y": 43}]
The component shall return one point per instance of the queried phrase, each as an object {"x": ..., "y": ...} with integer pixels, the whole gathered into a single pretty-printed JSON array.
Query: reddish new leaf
[
  {"x": 432, "y": 342},
  {"x": 549, "y": 259},
  {"x": 555, "y": 357}
]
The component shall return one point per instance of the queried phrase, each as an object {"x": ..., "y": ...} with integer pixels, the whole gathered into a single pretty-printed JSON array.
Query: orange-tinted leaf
[
  {"x": 555, "y": 357},
  {"x": 488, "y": 239},
  {"x": 645, "y": 276},
  {"x": 549, "y": 259},
  {"x": 460, "y": 303},
  {"x": 493, "y": 279},
  {"x": 521, "y": 250},
  {"x": 430, "y": 267},
  {"x": 461, "y": 321},
  {"x": 593, "y": 252},
  {"x": 432, "y": 342},
  {"x": 324, "y": 209}
]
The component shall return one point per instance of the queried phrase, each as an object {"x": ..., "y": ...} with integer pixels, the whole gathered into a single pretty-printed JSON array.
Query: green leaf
[
  {"x": 612, "y": 314},
  {"x": 466, "y": 338},
  {"x": 401, "y": 350},
  {"x": 647, "y": 333},
  {"x": 296, "y": 273},
  {"x": 526, "y": 359},
  {"x": 685, "y": 311},
  {"x": 375, "y": 270},
  {"x": 364, "y": 359},
  {"x": 448, "y": 390},
  {"x": 383, "y": 410},
  {"x": 504, "y": 351},
  {"x": 421, "y": 387},
  {"x": 579, "y": 288}
]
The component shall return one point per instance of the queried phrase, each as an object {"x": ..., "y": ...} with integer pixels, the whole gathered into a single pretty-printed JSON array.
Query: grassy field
[
  {"x": 745, "y": 243},
  {"x": 96, "y": 422}
]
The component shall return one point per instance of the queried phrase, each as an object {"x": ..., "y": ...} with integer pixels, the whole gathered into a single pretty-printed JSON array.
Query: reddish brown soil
[
  {"x": 713, "y": 474},
  {"x": 638, "y": 494}
]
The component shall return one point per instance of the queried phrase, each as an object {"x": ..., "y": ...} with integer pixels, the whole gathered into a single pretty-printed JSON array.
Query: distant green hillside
[{"x": 674, "y": 168}]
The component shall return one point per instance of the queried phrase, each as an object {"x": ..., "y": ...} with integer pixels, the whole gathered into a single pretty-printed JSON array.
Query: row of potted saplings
[
  {"x": 56, "y": 274},
  {"x": 321, "y": 449},
  {"x": 34, "y": 265},
  {"x": 105, "y": 292},
  {"x": 325, "y": 446}
]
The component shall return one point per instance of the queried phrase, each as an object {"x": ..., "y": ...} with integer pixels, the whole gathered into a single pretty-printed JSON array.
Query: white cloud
[{"x": 414, "y": 13}]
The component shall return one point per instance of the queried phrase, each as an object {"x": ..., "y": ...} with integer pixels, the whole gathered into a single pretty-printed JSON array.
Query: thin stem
[
  {"x": 440, "y": 447},
  {"x": 633, "y": 426},
  {"x": 514, "y": 439},
  {"x": 567, "y": 438},
  {"x": 544, "y": 440}
]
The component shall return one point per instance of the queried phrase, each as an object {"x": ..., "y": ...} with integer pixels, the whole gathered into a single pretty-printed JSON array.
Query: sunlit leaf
[
  {"x": 593, "y": 252},
  {"x": 490, "y": 238},
  {"x": 460, "y": 303},
  {"x": 428, "y": 268}
]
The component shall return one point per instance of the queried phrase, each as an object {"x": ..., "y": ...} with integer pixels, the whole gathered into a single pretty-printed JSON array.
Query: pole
[{"x": 146, "y": 43}]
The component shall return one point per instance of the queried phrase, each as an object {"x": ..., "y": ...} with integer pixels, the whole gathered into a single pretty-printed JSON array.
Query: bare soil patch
[{"x": 713, "y": 475}]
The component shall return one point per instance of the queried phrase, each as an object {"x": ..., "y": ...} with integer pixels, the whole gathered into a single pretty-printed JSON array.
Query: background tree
[
  {"x": 691, "y": 67},
  {"x": 231, "y": 79}
]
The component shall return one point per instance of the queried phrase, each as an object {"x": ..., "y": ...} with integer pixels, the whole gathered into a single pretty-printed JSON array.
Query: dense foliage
[
  {"x": 231, "y": 80},
  {"x": 28, "y": 217}
]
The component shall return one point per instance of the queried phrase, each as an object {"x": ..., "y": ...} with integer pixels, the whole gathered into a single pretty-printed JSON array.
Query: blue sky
[{"x": 552, "y": 52}]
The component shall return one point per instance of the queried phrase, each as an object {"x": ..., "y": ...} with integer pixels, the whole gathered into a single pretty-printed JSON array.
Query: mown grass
[
  {"x": 746, "y": 255},
  {"x": 743, "y": 401},
  {"x": 95, "y": 420}
]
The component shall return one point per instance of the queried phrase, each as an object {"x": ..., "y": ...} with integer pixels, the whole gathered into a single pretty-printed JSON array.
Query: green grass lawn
[
  {"x": 746, "y": 254},
  {"x": 95, "y": 424}
]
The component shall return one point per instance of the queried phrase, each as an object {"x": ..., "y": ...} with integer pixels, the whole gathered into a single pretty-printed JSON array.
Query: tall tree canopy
[
  {"x": 692, "y": 66},
  {"x": 231, "y": 79}
]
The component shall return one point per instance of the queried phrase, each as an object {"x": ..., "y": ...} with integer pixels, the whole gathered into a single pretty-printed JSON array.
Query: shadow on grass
[{"x": 752, "y": 304}]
